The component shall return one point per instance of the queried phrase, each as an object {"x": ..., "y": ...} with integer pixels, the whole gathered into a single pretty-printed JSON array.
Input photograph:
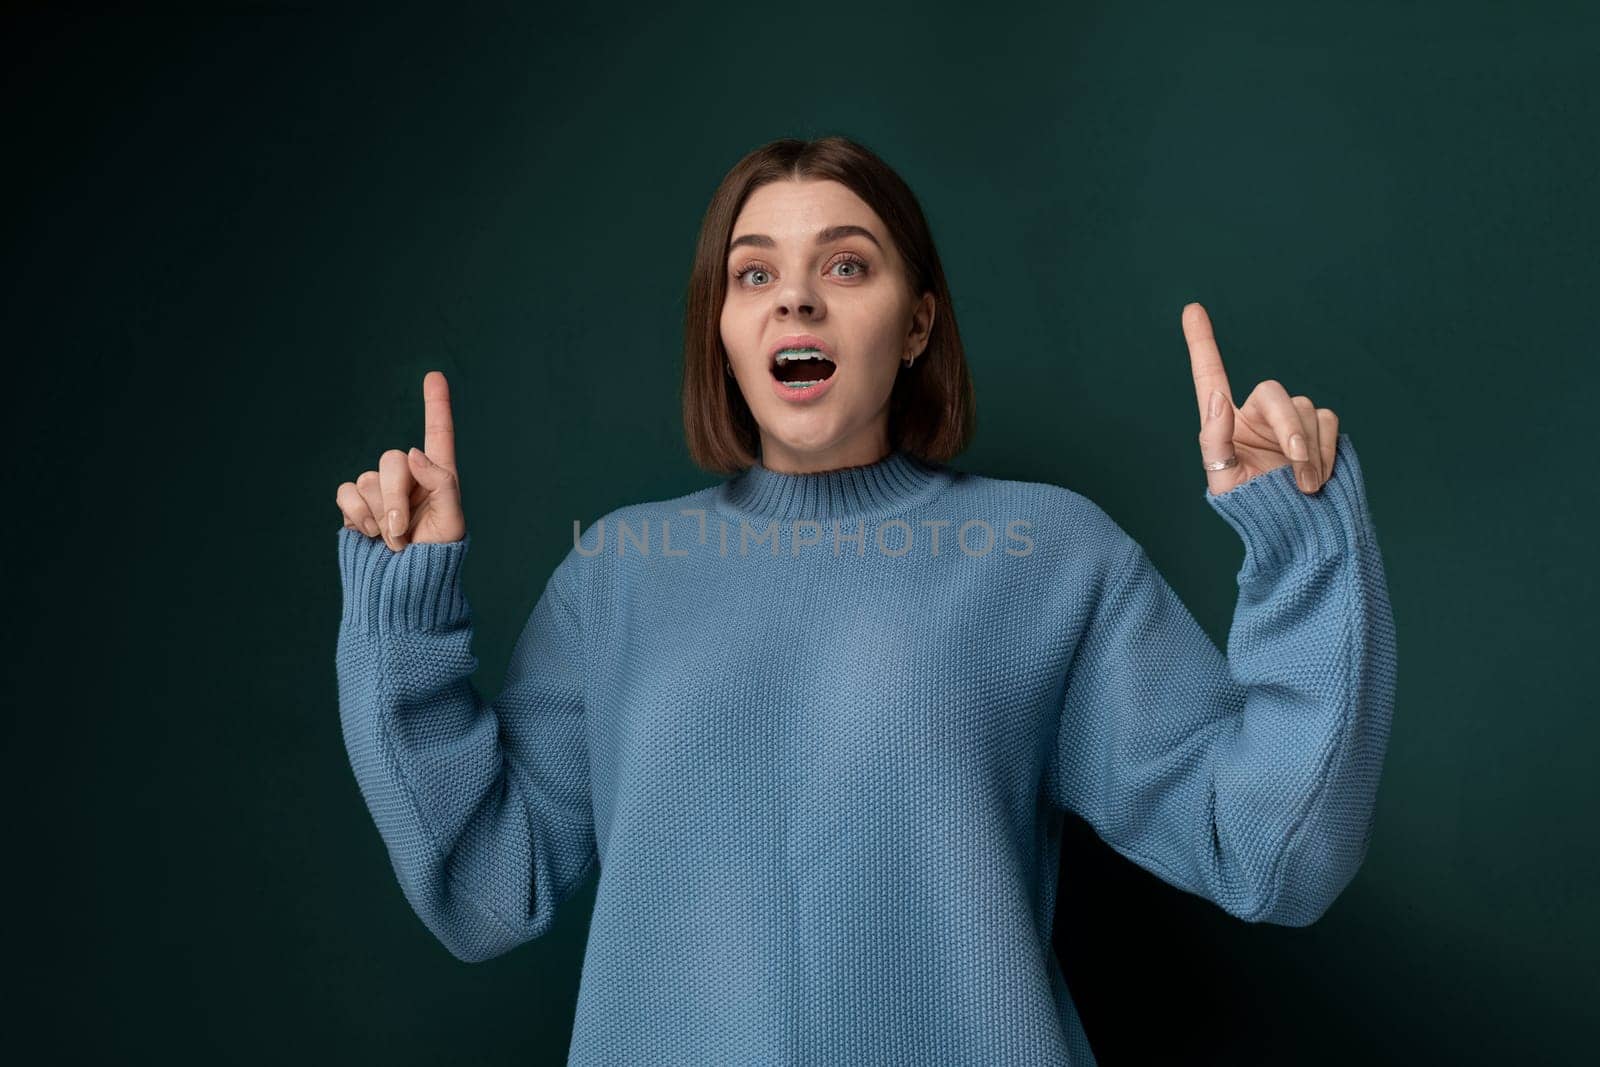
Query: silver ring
[{"x": 1222, "y": 464}]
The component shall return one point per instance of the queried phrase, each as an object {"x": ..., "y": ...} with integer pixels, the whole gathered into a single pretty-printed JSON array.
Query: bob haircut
[{"x": 932, "y": 410}]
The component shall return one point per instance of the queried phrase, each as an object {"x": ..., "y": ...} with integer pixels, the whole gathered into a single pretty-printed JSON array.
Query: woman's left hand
[{"x": 1271, "y": 430}]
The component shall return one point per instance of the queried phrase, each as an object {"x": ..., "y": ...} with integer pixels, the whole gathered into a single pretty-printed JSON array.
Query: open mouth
[{"x": 801, "y": 368}]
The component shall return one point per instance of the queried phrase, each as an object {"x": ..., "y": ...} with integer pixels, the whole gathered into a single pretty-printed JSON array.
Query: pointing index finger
[
  {"x": 1205, "y": 361},
  {"x": 438, "y": 427}
]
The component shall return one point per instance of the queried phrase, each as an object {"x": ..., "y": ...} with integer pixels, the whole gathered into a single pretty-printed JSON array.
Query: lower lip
[{"x": 807, "y": 395}]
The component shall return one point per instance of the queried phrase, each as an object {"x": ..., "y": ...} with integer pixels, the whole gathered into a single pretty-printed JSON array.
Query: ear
[{"x": 922, "y": 317}]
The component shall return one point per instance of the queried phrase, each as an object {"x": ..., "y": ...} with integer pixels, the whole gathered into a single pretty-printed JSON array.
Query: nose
[{"x": 797, "y": 296}]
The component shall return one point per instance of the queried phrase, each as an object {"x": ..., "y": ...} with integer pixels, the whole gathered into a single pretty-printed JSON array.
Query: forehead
[{"x": 791, "y": 212}]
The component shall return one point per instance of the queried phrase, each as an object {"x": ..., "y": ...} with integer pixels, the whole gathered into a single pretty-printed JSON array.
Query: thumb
[{"x": 428, "y": 474}]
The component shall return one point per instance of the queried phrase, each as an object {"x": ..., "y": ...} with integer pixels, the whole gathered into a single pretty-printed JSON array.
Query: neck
[
  {"x": 856, "y": 452},
  {"x": 894, "y": 482}
]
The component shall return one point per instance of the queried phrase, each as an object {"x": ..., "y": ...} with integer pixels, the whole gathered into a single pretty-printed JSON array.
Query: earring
[
  {"x": 908, "y": 361},
  {"x": 727, "y": 368}
]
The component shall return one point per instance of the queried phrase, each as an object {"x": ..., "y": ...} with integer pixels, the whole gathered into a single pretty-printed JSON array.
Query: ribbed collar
[{"x": 893, "y": 483}]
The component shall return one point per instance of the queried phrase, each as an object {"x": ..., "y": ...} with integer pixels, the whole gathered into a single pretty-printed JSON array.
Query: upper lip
[{"x": 801, "y": 340}]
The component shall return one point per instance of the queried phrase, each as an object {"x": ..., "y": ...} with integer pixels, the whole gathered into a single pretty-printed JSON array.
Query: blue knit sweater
[{"x": 816, "y": 734}]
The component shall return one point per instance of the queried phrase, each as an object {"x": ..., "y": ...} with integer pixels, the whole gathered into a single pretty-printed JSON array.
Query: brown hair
[{"x": 932, "y": 410}]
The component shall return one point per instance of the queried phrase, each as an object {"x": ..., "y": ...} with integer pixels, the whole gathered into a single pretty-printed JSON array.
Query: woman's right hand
[{"x": 412, "y": 496}]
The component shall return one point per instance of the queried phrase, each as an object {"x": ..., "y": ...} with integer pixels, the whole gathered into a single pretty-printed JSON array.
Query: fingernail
[
  {"x": 372, "y": 528},
  {"x": 394, "y": 524},
  {"x": 1216, "y": 403},
  {"x": 1297, "y": 447}
]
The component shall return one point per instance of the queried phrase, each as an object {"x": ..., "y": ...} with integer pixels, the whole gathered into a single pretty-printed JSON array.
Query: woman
[{"x": 818, "y": 724}]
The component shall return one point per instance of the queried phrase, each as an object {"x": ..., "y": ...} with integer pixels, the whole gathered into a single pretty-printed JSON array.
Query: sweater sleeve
[
  {"x": 484, "y": 806},
  {"x": 1248, "y": 779}
]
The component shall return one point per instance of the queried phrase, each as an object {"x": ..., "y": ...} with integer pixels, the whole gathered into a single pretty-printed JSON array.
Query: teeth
[{"x": 789, "y": 354}]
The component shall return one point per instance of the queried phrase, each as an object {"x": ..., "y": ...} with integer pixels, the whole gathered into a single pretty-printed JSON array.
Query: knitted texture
[{"x": 817, "y": 734}]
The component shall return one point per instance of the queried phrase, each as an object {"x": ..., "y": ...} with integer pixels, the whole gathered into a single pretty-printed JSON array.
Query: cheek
[
  {"x": 737, "y": 330},
  {"x": 885, "y": 341}
]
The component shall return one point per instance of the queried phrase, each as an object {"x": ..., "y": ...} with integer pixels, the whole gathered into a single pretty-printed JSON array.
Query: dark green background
[{"x": 237, "y": 236}]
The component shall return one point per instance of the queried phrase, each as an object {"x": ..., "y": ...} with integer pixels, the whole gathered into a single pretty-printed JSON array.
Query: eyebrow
[{"x": 832, "y": 233}]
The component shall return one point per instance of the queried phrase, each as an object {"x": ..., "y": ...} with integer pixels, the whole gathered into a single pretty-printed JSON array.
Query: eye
[
  {"x": 859, "y": 267},
  {"x": 857, "y": 262},
  {"x": 752, "y": 267}
]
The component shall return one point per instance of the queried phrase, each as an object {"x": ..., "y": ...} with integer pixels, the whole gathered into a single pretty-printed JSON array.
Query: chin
[
  {"x": 806, "y": 443},
  {"x": 800, "y": 432}
]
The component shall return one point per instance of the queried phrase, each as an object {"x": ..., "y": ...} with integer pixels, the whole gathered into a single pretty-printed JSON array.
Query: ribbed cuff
[
  {"x": 1280, "y": 522},
  {"x": 415, "y": 589}
]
